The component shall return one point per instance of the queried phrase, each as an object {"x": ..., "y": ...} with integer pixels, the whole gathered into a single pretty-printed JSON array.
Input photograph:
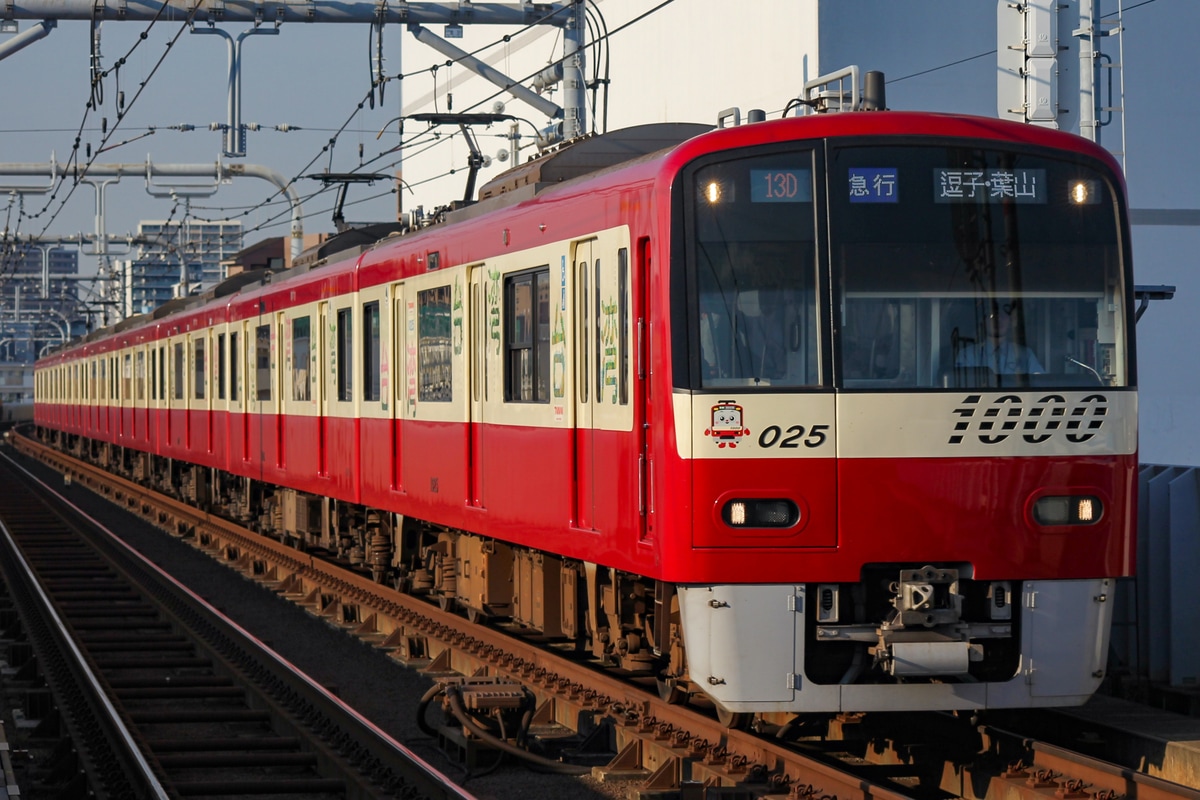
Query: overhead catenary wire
[
  {"x": 600, "y": 37},
  {"x": 331, "y": 143},
  {"x": 8, "y": 264},
  {"x": 432, "y": 69}
]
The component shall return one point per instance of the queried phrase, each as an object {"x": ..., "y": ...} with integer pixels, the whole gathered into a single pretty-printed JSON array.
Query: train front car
[{"x": 905, "y": 405}]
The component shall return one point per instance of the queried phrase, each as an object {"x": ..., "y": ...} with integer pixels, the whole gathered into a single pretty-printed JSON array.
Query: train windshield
[
  {"x": 963, "y": 267},
  {"x": 754, "y": 259}
]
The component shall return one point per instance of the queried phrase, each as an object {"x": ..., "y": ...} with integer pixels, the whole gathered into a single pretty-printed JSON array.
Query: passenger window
[
  {"x": 345, "y": 361},
  {"x": 527, "y": 337},
  {"x": 177, "y": 372},
  {"x": 235, "y": 356},
  {"x": 220, "y": 366},
  {"x": 371, "y": 351},
  {"x": 262, "y": 361},
  {"x": 199, "y": 374},
  {"x": 300, "y": 358},
  {"x": 435, "y": 366}
]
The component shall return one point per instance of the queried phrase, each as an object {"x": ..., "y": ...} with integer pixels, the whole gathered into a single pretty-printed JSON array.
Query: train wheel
[
  {"x": 732, "y": 719},
  {"x": 670, "y": 691}
]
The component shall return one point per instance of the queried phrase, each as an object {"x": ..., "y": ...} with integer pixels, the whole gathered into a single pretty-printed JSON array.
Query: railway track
[
  {"x": 164, "y": 697},
  {"x": 625, "y": 730}
]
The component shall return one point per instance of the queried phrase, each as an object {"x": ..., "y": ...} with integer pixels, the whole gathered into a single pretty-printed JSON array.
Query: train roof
[
  {"x": 594, "y": 155},
  {"x": 590, "y": 155}
]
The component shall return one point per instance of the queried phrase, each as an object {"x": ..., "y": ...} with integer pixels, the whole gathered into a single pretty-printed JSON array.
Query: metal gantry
[
  {"x": 569, "y": 16},
  {"x": 568, "y": 121}
]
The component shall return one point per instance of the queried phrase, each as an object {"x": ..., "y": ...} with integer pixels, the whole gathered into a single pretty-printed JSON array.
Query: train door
[
  {"x": 189, "y": 371},
  {"x": 200, "y": 394},
  {"x": 213, "y": 376},
  {"x": 161, "y": 431},
  {"x": 241, "y": 356},
  {"x": 321, "y": 348},
  {"x": 281, "y": 339},
  {"x": 609, "y": 452},
  {"x": 586, "y": 316},
  {"x": 642, "y": 409},
  {"x": 142, "y": 414},
  {"x": 404, "y": 361},
  {"x": 125, "y": 419},
  {"x": 477, "y": 371}
]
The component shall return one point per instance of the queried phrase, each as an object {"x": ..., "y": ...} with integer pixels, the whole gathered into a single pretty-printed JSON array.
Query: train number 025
[{"x": 793, "y": 436}]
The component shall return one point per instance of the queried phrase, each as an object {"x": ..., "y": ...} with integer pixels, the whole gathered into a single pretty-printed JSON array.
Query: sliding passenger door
[
  {"x": 586, "y": 343},
  {"x": 477, "y": 370},
  {"x": 322, "y": 349},
  {"x": 608, "y": 450}
]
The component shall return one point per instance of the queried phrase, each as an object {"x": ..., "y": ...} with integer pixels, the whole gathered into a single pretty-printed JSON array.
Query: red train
[{"x": 817, "y": 414}]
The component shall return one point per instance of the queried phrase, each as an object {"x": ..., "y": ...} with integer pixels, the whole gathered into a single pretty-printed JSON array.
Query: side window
[
  {"x": 345, "y": 354},
  {"x": 234, "y": 360},
  {"x": 177, "y": 372},
  {"x": 435, "y": 369},
  {"x": 371, "y": 351},
  {"x": 199, "y": 375},
  {"x": 153, "y": 374},
  {"x": 162, "y": 373},
  {"x": 262, "y": 361},
  {"x": 140, "y": 375},
  {"x": 220, "y": 366},
  {"x": 527, "y": 337},
  {"x": 301, "y": 341},
  {"x": 127, "y": 378}
]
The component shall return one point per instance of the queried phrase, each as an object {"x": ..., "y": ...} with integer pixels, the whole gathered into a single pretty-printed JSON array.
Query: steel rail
[
  {"x": 1070, "y": 775},
  {"x": 73, "y": 681},
  {"x": 292, "y": 693}
]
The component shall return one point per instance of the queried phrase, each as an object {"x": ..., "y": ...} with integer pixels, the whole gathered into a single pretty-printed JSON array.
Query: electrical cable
[
  {"x": 454, "y": 697},
  {"x": 328, "y": 147},
  {"x": 80, "y": 174},
  {"x": 435, "y": 67}
]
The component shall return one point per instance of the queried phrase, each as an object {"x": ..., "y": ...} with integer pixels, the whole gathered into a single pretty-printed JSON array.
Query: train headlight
[
  {"x": 1068, "y": 510},
  {"x": 1084, "y": 193},
  {"x": 755, "y": 513}
]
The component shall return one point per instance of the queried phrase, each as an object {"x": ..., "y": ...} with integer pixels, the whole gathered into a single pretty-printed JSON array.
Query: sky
[{"x": 672, "y": 60}]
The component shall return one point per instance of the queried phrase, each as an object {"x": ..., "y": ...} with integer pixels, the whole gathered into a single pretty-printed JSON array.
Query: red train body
[{"x": 714, "y": 410}]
